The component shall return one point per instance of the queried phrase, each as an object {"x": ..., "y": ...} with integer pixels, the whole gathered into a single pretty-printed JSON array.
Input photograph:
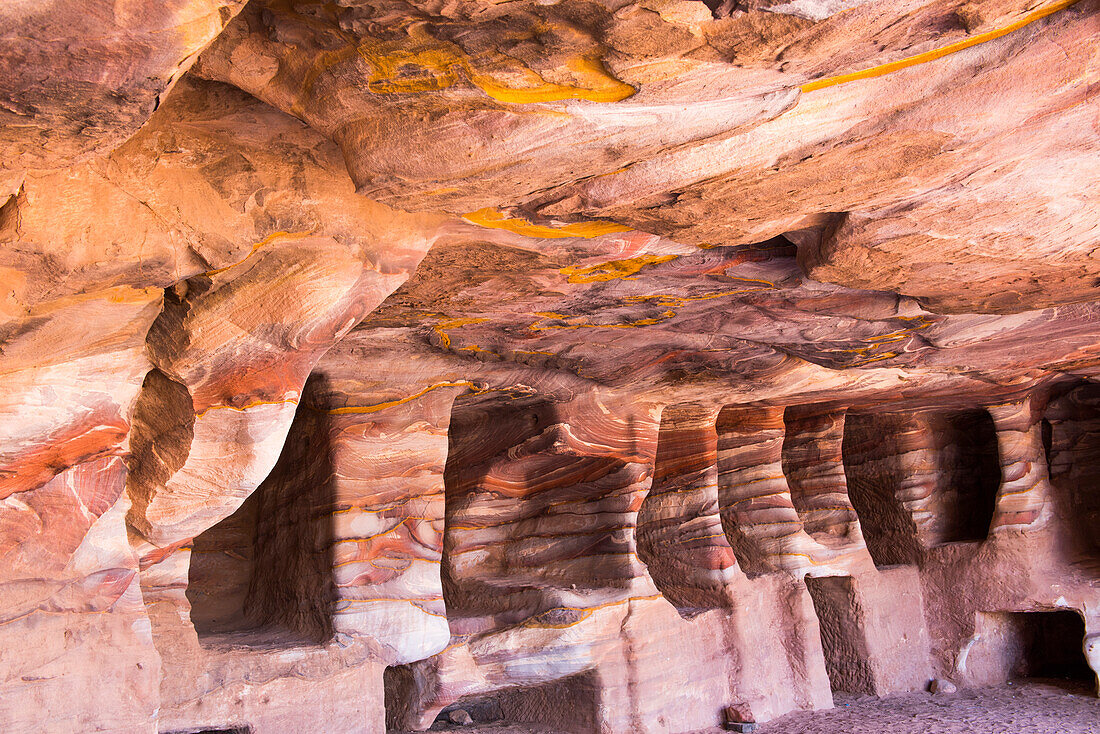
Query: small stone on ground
[
  {"x": 460, "y": 717},
  {"x": 942, "y": 685}
]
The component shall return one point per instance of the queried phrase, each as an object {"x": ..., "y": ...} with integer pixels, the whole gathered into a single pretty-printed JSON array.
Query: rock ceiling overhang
[{"x": 763, "y": 203}]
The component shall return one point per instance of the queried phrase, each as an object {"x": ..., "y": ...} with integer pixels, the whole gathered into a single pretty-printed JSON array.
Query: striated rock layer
[{"x": 612, "y": 365}]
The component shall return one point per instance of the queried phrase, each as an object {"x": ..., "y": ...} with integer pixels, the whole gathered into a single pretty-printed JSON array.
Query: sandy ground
[
  {"x": 1027, "y": 708},
  {"x": 1034, "y": 707}
]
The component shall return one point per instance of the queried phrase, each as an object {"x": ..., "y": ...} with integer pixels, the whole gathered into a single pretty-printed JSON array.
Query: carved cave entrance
[
  {"x": 969, "y": 463},
  {"x": 1071, "y": 439},
  {"x": 922, "y": 479},
  {"x": 513, "y": 441},
  {"x": 846, "y": 658},
  {"x": 264, "y": 575},
  {"x": 1034, "y": 645}
]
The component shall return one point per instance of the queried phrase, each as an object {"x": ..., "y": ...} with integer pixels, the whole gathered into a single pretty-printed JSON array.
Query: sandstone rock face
[
  {"x": 80, "y": 76},
  {"x": 605, "y": 366}
]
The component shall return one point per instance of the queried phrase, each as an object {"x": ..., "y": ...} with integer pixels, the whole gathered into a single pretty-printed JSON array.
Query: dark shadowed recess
[
  {"x": 846, "y": 658},
  {"x": 512, "y": 439},
  {"x": 970, "y": 466},
  {"x": 567, "y": 706},
  {"x": 1039, "y": 644},
  {"x": 481, "y": 435},
  {"x": 686, "y": 460},
  {"x": 1071, "y": 436},
  {"x": 945, "y": 462},
  {"x": 875, "y": 473},
  {"x": 264, "y": 574}
]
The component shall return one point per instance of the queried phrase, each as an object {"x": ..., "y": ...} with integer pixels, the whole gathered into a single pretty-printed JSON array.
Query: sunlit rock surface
[{"x": 599, "y": 365}]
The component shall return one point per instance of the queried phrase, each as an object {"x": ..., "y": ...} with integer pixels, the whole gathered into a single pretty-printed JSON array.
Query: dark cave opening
[
  {"x": 921, "y": 479},
  {"x": 220, "y": 573},
  {"x": 969, "y": 464},
  {"x": 1071, "y": 436},
  {"x": 1046, "y": 644},
  {"x": 871, "y": 450},
  {"x": 263, "y": 575}
]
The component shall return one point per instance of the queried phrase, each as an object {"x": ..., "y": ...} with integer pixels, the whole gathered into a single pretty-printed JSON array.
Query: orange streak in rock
[
  {"x": 442, "y": 326},
  {"x": 245, "y": 407},
  {"x": 586, "y": 610},
  {"x": 400, "y": 401},
  {"x": 938, "y": 53},
  {"x": 344, "y": 604},
  {"x": 493, "y": 219},
  {"x": 265, "y": 241},
  {"x": 613, "y": 269}
]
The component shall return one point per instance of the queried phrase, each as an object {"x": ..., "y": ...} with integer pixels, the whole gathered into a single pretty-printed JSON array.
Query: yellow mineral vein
[
  {"x": 443, "y": 326},
  {"x": 613, "y": 269},
  {"x": 400, "y": 401},
  {"x": 939, "y": 53},
  {"x": 265, "y": 241},
  {"x": 493, "y": 219}
]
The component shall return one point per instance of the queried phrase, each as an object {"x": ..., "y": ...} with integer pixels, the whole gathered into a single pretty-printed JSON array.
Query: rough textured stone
[
  {"x": 942, "y": 685},
  {"x": 80, "y": 76},
  {"x": 460, "y": 717}
]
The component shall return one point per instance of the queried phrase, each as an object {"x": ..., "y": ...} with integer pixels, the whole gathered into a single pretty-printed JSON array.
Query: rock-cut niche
[
  {"x": 969, "y": 463},
  {"x": 922, "y": 479},
  {"x": 1071, "y": 437},
  {"x": 264, "y": 575},
  {"x": 1041, "y": 644}
]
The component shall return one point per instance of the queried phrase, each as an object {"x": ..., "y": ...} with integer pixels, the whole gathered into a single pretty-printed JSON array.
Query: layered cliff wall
[{"x": 599, "y": 365}]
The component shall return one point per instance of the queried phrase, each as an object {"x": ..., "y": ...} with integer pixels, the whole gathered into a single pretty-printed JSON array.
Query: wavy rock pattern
[
  {"x": 757, "y": 512},
  {"x": 70, "y": 582},
  {"x": 388, "y": 461},
  {"x": 680, "y": 535},
  {"x": 813, "y": 464},
  {"x": 243, "y": 349},
  {"x": 539, "y": 557},
  {"x": 1025, "y": 491}
]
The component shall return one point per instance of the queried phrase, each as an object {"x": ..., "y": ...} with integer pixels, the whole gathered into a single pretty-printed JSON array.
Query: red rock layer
[
  {"x": 813, "y": 464},
  {"x": 680, "y": 536}
]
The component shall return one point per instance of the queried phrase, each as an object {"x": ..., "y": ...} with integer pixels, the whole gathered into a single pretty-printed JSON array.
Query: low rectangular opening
[
  {"x": 542, "y": 704},
  {"x": 569, "y": 705},
  {"x": 1032, "y": 645}
]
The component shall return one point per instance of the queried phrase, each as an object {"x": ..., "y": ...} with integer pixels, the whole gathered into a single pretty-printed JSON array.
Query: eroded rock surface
[{"x": 595, "y": 365}]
